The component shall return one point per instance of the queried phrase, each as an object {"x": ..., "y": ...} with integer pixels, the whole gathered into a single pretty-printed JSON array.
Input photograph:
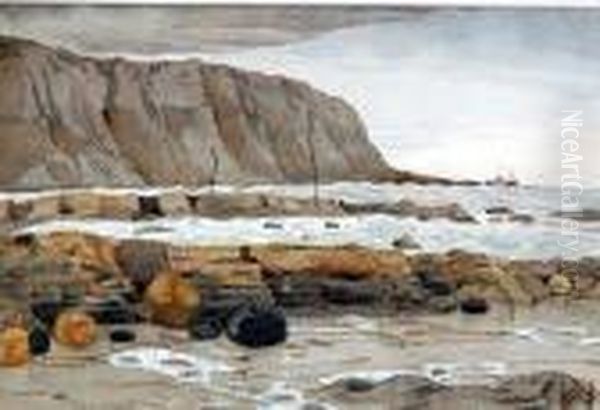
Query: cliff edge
[{"x": 70, "y": 120}]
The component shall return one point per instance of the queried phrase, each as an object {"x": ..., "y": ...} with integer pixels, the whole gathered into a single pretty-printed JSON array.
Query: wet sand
[{"x": 558, "y": 337}]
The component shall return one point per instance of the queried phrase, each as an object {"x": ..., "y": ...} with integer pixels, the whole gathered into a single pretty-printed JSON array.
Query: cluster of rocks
[
  {"x": 408, "y": 208},
  {"x": 244, "y": 292},
  {"x": 27, "y": 208}
]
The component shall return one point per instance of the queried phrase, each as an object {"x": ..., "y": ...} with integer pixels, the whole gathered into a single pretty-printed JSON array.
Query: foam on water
[
  {"x": 518, "y": 240},
  {"x": 182, "y": 367}
]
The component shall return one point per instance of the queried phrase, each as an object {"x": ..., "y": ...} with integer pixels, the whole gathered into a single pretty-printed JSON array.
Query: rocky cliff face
[{"x": 70, "y": 120}]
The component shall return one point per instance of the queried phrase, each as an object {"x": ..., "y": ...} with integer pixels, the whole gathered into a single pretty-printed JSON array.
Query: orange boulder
[
  {"x": 14, "y": 347},
  {"x": 171, "y": 300},
  {"x": 75, "y": 329}
]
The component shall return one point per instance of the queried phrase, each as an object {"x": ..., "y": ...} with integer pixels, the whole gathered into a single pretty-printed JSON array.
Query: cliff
[{"x": 70, "y": 120}]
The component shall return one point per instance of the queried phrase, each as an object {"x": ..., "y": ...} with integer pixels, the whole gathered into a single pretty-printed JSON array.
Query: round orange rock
[
  {"x": 14, "y": 347},
  {"x": 75, "y": 329},
  {"x": 171, "y": 300}
]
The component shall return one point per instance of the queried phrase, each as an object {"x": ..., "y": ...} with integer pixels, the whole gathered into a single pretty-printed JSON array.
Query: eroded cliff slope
[{"x": 69, "y": 120}]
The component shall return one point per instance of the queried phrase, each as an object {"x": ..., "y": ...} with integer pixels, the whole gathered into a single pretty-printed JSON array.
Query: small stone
[
  {"x": 474, "y": 306},
  {"x": 206, "y": 330},
  {"x": 149, "y": 206},
  {"x": 406, "y": 241},
  {"x": 521, "y": 218},
  {"x": 498, "y": 210},
  {"x": 560, "y": 285},
  {"x": 358, "y": 385},
  {"x": 122, "y": 336},
  {"x": 205, "y": 326},
  {"x": 442, "y": 304},
  {"x": 272, "y": 225},
  {"x": 332, "y": 225}
]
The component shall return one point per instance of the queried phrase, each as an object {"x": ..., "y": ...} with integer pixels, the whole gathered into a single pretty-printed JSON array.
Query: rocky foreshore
[
  {"x": 23, "y": 208},
  {"x": 76, "y": 291},
  {"x": 294, "y": 277}
]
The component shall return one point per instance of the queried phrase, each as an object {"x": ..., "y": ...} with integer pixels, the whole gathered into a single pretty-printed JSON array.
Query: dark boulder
[
  {"x": 39, "y": 341},
  {"x": 149, "y": 206},
  {"x": 219, "y": 303},
  {"x": 46, "y": 310},
  {"x": 257, "y": 326}
]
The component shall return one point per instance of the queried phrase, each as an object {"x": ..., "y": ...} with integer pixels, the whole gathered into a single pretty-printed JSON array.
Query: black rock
[
  {"x": 39, "y": 341},
  {"x": 349, "y": 292},
  {"x": 149, "y": 206},
  {"x": 332, "y": 225},
  {"x": 25, "y": 240},
  {"x": 207, "y": 323},
  {"x": 498, "y": 210},
  {"x": 19, "y": 211},
  {"x": 358, "y": 385},
  {"x": 406, "y": 241},
  {"x": 435, "y": 283},
  {"x": 113, "y": 311},
  {"x": 122, "y": 336},
  {"x": 47, "y": 310},
  {"x": 257, "y": 326},
  {"x": 206, "y": 328},
  {"x": 272, "y": 225},
  {"x": 474, "y": 306}
]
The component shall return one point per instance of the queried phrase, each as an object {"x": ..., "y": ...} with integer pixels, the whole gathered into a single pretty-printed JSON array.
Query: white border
[{"x": 413, "y": 3}]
